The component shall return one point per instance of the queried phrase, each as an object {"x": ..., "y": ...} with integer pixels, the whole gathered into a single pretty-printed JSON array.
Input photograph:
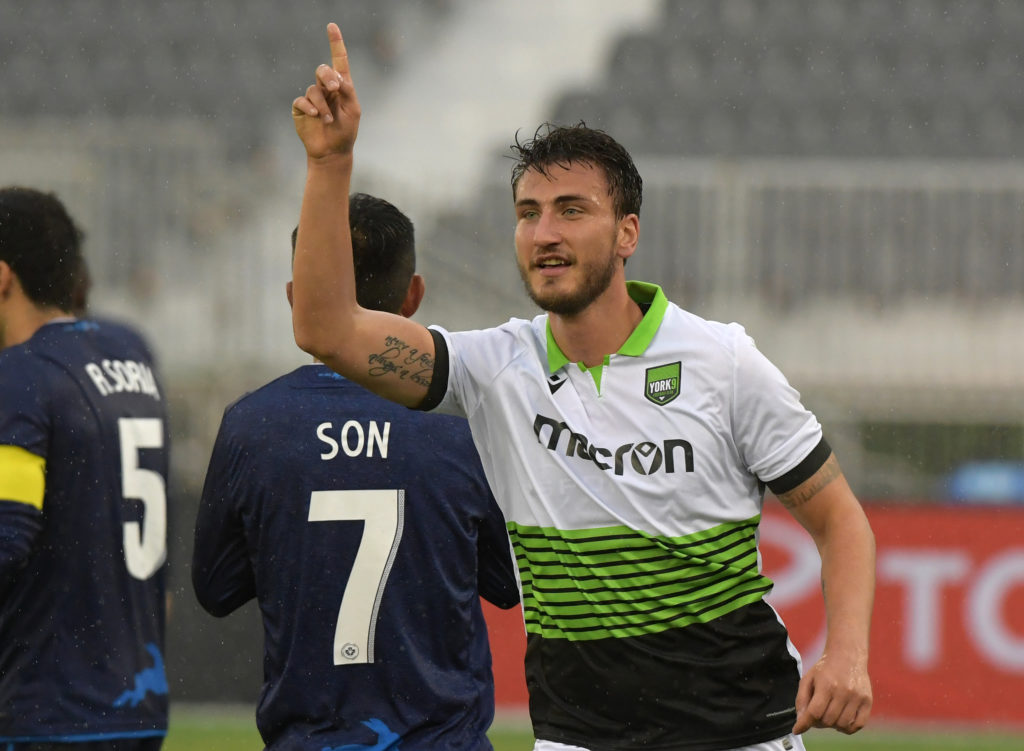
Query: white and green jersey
[{"x": 632, "y": 494}]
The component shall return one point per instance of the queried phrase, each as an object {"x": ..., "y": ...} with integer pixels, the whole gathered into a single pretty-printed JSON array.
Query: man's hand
[
  {"x": 327, "y": 117},
  {"x": 834, "y": 693}
]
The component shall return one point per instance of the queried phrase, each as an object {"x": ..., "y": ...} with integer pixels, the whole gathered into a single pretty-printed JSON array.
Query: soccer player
[
  {"x": 367, "y": 532},
  {"x": 83, "y": 476},
  {"x": 628, "y": 443}
]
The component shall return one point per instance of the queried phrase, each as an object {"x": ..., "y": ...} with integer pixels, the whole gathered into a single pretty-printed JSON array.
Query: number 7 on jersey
[{"x": 383, "y": 512}]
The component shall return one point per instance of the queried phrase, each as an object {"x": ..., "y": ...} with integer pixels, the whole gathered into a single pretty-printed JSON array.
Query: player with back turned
[
  {"x": 629, "y": 444},
  {"x": 83, "y": 473},
  {"x": 367, "y": 533}
]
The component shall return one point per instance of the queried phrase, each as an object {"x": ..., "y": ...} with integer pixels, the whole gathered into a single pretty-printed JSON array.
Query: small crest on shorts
[{"x": 662, "y": 385}]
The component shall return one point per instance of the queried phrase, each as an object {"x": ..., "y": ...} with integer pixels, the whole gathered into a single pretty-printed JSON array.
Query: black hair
[
  {"x": 577, "y": 144},
  {"x": 383, "y": 252},
  {"x": 42, "y": 245}
]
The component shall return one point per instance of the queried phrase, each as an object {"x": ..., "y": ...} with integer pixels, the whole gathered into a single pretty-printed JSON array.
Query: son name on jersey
[
  {"x": 117, "y": 376},
  {"x": 354, "y": 439}
]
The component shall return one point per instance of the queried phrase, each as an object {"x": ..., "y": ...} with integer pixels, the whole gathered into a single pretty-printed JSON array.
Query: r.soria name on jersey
[{"x": 118, "y": 376}]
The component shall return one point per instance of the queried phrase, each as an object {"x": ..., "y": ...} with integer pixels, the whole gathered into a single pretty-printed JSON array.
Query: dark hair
[
  {"x": 565, "y": 145},
  {"x": 383, "y": 252},
  {"x": 42, "y": 245}
]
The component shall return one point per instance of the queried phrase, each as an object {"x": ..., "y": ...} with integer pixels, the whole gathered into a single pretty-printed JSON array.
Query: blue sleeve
[
  {"x": 496, "y": 572},
  {"x": 222, "y": 574},
  {"x": 20, "y": 525},
  {"x": 24, "y": 423}
]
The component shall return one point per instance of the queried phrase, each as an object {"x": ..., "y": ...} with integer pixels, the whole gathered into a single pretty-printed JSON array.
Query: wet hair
[
  {"x": 42, "y": 245},
  {"x": 577, "y": 144},
  {"x": 383, "y": 252}
]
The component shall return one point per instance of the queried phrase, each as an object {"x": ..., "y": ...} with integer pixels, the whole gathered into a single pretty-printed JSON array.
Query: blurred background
[{"x": 843, "y": 177}]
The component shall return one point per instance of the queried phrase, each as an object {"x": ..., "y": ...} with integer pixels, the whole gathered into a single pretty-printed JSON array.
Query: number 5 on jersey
[
  {"x": 383, "y": 512},
  {"x": 145, "y": 545}
]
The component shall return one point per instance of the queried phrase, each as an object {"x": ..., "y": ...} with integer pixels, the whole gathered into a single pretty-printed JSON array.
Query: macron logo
[{"x": 556, "y": 381}]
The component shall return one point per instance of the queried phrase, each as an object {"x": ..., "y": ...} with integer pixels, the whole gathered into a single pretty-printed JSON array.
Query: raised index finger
[{"x": 339, "y": 55}]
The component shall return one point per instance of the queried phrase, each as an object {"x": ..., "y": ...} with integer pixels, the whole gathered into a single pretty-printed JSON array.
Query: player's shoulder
[
  {"x": 115, "y": 329},
  {"x": 513, "y": 329},
  {"x": 497, "y": 346},
  {"x": 64, "y": 340},
  {"x": 258, "y": 400},
  {"x": 25, "y": 359},
  {"x": 23, "y": 377},
  {"x": 685, "y": 325},
  {"x": 118, "y": 336},
  {"x": 282, "y": 397},
  {"x": 16, "y": 355}
]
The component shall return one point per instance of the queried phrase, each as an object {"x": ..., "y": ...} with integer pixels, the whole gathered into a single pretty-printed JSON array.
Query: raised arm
[
  {"x": 836, "y": 691},
  {"x": 391, "y": 355}
]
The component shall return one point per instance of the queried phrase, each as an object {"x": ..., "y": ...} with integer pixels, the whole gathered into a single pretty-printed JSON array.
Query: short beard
[{"x": 595, "y": 282}]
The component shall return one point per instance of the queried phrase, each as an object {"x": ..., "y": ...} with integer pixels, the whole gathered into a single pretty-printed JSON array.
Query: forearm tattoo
[
  {"x": 405, "y": 362},
  {"x": 806, "y": 490}
]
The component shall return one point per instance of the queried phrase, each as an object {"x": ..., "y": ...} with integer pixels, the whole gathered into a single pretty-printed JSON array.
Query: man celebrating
[
  {"x": 628, "y": 443},
  {"x": 83, "y": 476}
]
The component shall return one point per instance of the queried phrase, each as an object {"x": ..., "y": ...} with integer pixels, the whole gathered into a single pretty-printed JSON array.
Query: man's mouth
[{"x": 548, "y": 263}]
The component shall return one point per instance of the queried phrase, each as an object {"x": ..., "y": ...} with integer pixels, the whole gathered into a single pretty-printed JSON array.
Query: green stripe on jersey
[{"x": 615, "y": 582}]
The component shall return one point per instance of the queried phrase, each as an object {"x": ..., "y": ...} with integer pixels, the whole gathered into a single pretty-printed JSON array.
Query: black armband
[
  {"x": 802, "y": 471},
  {"x": 439, "y": 381}
]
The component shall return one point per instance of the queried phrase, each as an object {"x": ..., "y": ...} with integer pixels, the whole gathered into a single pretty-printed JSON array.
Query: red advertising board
[{"x": 947, "y": 641}]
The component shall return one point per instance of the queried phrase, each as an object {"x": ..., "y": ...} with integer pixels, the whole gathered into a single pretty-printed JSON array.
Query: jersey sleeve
[
  {"x": 222, "y": 574},
  {"x": 443, "y": 395},
  {"x": 20, "y": 525},
  {"x": 773, "y": 430},
  {"x": 24, "y": 426},
  {"x": 24, "y": 414},
  {"x": 497, "y": 576},
  {"x": 474, "y": 359},
  {"x": 496, "y": 571}
]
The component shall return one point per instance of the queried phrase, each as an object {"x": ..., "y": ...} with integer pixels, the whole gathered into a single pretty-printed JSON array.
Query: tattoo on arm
[
  {"x": 405, "y": 362},
  {"x": 806, "y": 490}
]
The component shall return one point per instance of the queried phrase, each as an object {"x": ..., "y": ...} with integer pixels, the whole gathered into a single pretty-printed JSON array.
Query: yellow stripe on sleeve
[{"x": 22, "y": 476}]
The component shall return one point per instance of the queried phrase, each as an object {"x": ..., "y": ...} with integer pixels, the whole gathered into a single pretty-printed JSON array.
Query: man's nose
[{"x": 547, "y": 231}]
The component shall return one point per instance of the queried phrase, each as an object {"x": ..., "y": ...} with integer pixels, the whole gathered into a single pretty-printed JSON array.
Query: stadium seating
[
  {"x": 761, "y": 69},
  {"x": 774, "y": 59},
  {"x": 188, "y": 57}
]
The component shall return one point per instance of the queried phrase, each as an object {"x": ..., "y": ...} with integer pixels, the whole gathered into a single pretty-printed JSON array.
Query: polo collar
[{"x": 643, "y": 293}]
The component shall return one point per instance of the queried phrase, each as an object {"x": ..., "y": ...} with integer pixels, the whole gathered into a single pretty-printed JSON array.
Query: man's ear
[
  {"x": 288, "y": 293},
  {"x": 413, "y": 296},
  {"x": 628, "y": 235},
  {"x": 7, "y": 280}
]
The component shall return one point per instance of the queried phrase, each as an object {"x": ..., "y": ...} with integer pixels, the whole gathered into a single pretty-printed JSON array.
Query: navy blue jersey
[
  {"x": 367, "y": 532},
  {"x": 83, "y": 470}
]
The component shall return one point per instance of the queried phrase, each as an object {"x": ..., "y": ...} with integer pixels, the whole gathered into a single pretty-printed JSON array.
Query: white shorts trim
[{"x": 785, "y": 743}]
